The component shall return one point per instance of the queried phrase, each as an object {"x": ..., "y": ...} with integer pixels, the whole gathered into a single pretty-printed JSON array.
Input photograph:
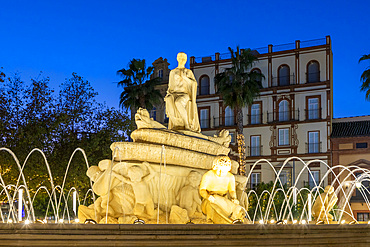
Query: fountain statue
[
  {"x": 159, "y": 173},
  {"x": 323, "y": 205}
]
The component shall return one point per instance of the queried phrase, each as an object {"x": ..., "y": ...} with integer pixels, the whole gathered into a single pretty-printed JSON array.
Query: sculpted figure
[
  {"x": 189, "y": 195},
  {"x": 181, "y": 106},
  {"x": 144, "y": 206},
  {"x": 215, "y": 186},
  {"x": 143, "y": 120},
  {"x": 323, "y": 204},
  {"x": 241, "y": 182}
]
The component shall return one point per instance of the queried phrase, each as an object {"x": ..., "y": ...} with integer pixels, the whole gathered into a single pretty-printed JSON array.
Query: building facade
[
  {"x": 292, "y": 116},
  {"x": 350, "y": 145}
]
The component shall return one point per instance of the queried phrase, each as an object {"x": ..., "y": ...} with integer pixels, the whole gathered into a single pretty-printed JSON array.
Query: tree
[
  {"x": 239, "y": 86},
  {"x": 365, "y": 77},
  {"x": 139, "y": 90}
]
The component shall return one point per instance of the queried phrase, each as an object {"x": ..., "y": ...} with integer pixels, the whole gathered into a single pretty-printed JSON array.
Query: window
[
  {"x": 284, "y": 75},
  {"x": 284, "y": 110},
  {"x": 313, "y": 72},
  {"x": 363, "y": 217},
  {"x": 229, "y": 116},
  {"x": 153, "y": 113},
  {"x": 285, "y": 177},
  {"x": 361, "y": 145},
  {"x": 160, "y": 73},
  {"x": 313, "y": 142},
  {"x": 204, "y": 120},
  {"x": 232, "y": 134},
  {"x": 255, "y": 180},
  {"x": 255, "y": 146},
  {"x": 284, "y": 137},
  {"x": 313, "y": 108},
  {"x": 313, "y": 177},
  {"x": 256, "y": 114},
  {"x": 259, "y": 78},
  {"x": 204, "y": 85}
]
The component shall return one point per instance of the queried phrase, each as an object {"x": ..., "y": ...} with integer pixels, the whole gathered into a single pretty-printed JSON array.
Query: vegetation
[
  {"x": 365, "y": 77},
  {"x": 239, "y": 86},
  {"x": 33, "y": 116}
]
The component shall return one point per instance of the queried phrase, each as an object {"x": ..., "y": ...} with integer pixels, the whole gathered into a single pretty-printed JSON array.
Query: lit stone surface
[
  {"x": 133, "y": 151},
  {"x": 175, "y": 139}
]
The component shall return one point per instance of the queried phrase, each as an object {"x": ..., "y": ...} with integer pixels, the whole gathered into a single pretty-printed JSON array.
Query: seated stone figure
[
  {"x": 241, "y": 182},
  {"x": 215, "y": 186},
  {"x": 144, "y": 205},
  {"x": 323, "y": 204},
  {"x": 189, "y": 195}
]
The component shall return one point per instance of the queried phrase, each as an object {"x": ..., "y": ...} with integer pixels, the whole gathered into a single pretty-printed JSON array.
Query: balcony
[
  {"x": 313, "y": 114},
  {"x": 204, "y": 123},
  {"x": 255, "y": 118},
  {"x": 283, "y": 116},
  {"x": 224, "y": 122},
  {"x": 313, "y": 77},
  {"x": 255, "y": 150},
  {"x": 313, "y": 147},
  {"x": 283, "y": 80}
]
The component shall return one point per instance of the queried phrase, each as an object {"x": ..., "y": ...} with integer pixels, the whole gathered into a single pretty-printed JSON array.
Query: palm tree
[
  {"x": 239, "y": 86},
  {"x": 365, "y": 77},
  {"x": 138, "y": 89}
]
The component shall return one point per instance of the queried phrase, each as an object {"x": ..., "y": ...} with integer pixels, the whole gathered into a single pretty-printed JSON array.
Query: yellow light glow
[
  {"x": 26, "y": 222},
  {"x": 77, "y": 220},
  {"x": 61, "y": 220},
  {"x": 294, "y": 221},
  {"x": 343, "y": 221},
  {"x": 261, "y": 221},
  {"x": 303, "y": 222},
  {"x": 285, "y": 221},
  {"x": 10, "y": 221},
  {"x": 272, "y": 221}
]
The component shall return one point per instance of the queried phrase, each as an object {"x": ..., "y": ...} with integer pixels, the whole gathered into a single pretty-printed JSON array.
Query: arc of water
[{"x": 66, "y": 173}]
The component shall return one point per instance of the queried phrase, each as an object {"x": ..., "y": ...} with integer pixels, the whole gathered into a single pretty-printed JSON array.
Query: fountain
[{"x": 177, "y": 175}]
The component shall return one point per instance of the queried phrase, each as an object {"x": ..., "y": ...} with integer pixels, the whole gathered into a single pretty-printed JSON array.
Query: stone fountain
[{"x": 156, "y": 178}]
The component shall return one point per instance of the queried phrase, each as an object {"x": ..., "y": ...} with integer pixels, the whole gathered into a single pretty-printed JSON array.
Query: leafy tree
[
  {"x": 138, "y": 89},
  {"x": 365, "y": 77},
  {"x": 239, "y": 86}
]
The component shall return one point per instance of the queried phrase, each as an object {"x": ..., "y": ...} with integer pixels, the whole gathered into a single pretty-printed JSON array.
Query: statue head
[
  {"x": 194, "y": 178},
  {"x": 181, "y": 59},
  {"x": 329, "y": 189},
  {"x": 135, "y": 173},
  {"x": 221, "y": 165},
  {"x": 94, "y": 173}
]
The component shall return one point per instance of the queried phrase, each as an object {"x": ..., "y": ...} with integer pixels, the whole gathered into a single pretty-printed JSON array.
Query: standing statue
[
  {"x": 181, "y": 105},
  {"x": 323, "y": 204},
  {"x": 215, "y": 186}
]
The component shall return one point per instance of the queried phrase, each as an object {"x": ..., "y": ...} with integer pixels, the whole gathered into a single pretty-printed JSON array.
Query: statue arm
[
  {"x": 151, "y": 172},
  {"x": 121, "y": 178}
]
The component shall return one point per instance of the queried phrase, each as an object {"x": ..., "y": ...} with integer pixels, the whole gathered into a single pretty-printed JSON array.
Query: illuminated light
[
  {"x": 285, "y": 221},
  {"x": 90, "y": 221},
  {"x": 26, "y": 222},
  {"x": 61, "y": 220},
  {"x": 45, "y": 221},
  {"x": 272, "y": 221},
  {"x": 40, "y": 221},
  {"x": 139, "y": 222},
  {"x": 294, "y": 221},
  {"x": 235, "y": 222},
  {"x": 358, "y": 185},
  {"x": 11, "y": 221},
  {"x": 261, "y": 222},
  {"x": 343, "y": 222},
  {"x": 368, "y": 222},
  {"x": 303, "y": 222},
  {"x": 77, "y": 220}
]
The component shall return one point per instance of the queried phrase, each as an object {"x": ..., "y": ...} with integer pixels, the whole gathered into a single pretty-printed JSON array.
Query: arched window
[
  {"x": 229, "y": 116},
  {"x": 284, "y": 75},
  {"x": 284, "y": 110},
  {"x": 204, "y": 85},
  {"x": 313, "y": 72},
  {"x": 258, "y": 71},
  {"x": 153, "y": 113}
]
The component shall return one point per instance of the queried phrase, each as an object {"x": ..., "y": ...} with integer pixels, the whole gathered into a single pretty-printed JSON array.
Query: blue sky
[{"x": 97, "y": 38}]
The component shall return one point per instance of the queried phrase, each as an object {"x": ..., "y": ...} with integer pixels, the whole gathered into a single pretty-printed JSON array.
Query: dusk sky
[{"x": 97, "y": 38}]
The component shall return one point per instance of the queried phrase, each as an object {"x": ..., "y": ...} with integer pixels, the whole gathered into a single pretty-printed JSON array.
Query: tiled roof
[{"x": 349, "y": 129}]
